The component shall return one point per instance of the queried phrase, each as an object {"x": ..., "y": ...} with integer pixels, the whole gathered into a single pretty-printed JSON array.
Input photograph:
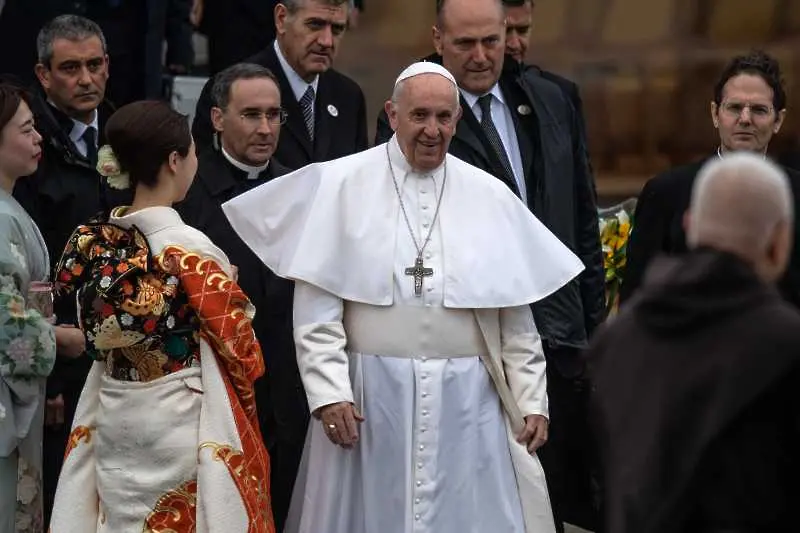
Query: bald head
[
  {"x": 448, "y": 7},
  {"x": 743, "y": 204}
]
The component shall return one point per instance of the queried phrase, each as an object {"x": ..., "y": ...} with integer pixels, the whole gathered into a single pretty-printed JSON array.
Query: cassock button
[
  {"x": 424, "y": 207},
  {"x": 430, "y": 289},
  {"x": 425, "y": 413},
  {"x": 421, "y": 447},
  {"x": 424, "y": 394},
  {"x": 416, "y": 517},
  {"x": 424, "y": 358},
  {"x": 419, "y": 466},
  {"x": 425, "y": 225},
  {"x": 419, "y": 483},
  {"x": 417, "y": 500},
  {"x": 428, "y": 255}
]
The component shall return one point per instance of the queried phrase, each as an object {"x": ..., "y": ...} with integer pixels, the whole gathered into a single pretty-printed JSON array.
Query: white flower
[
  {"x": 105, "y": 282},
  {"x": 126, "y": 319},
  {"x": 108, "y": 166},
  {"x": 172, "y": 280},
  {"x": 623, "y": 217},
  {"x": 170, "y": 321},
  {"x": 123, "y": 181},
  {"x": 20, "y": 349},
  {"x": 27, "y": 489}
]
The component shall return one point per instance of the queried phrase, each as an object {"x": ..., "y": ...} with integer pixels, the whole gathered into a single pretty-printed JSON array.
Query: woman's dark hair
[
  {"x": 11, "y": 95},
  {"x": 757, "y": 63},
  {"x": 143, "y": 135}
]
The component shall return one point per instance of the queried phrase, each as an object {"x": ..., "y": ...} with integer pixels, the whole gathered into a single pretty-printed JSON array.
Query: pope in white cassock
[{"x": 417, "y": 348}]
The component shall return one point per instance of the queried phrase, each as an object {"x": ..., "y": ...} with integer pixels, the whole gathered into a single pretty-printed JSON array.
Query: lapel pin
[
  {"x": 524, "y": 110},
  {"x": 333, "y": 111}
]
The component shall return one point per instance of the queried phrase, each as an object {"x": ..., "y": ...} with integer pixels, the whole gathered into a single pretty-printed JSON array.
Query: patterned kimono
[
  {"x": 27, "y": 355},
  {"x": 165, "y": 436}
]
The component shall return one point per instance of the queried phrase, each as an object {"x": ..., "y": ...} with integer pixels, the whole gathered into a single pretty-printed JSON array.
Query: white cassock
[{"x": 436, "y": 453}]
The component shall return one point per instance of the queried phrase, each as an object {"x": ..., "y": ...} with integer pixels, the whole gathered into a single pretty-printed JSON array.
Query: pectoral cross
[{"x": 419, "y": 272}]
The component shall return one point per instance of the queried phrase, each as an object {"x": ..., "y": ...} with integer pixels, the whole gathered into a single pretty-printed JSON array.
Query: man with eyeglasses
[
  {"x": 247, "y": 118},
  {"x": 748, "y": 109},
  {"x": 326, "y": 110}
]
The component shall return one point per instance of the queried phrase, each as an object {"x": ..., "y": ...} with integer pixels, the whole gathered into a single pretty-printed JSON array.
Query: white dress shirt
[{"x": 504, "y": 122}]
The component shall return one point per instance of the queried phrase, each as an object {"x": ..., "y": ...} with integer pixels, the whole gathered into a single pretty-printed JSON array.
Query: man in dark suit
[
  {"x": 247, "y": 118},
  {"x": 521, "y": 128},
  {"x": 135, "y": 32},
  {"x": 748, "y": 109},
  {"x": 326, "y": 110},
  {"x": 66, "y": 191}
]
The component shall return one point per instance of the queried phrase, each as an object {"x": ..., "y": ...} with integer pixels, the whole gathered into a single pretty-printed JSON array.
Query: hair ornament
[{"x": 108, "y": 166}]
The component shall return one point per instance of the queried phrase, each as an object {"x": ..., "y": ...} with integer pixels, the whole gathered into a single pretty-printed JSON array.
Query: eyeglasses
[
  {"x": 254, "y": 119},
  {"x": 736, "y": 109}
]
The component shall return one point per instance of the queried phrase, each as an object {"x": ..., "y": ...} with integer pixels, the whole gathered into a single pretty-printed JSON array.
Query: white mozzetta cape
[{"x": 334, "y": 225}]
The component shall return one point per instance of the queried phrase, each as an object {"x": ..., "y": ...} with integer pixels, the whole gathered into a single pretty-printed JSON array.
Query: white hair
[{"x": 737, "y": 203}]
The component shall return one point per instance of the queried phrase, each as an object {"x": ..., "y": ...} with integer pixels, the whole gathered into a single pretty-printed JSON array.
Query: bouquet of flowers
[{"x": 616, "y": 223}]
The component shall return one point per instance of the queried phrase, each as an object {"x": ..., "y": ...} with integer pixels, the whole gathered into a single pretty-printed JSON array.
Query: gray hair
[
  {"x": 292, "y": 6},
  {"x": 69, "y": 27},
  {"x": 737, "y": 203},
  {"x": 224, "y": 80}
]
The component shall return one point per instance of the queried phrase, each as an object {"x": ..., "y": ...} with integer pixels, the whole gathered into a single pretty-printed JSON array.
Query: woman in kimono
[
  {"x": 165, "y": 436},
  {"x": 27, "y": 336}
]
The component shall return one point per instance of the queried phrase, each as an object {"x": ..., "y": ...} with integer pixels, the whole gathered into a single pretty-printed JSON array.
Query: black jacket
[
  {"x": 658, "y": 227},
  {"x": 695, "y": 404},
  {"x": 282, "y": 407},
  {"x": 560, "y": 191},
  {"x": 339, "y": 112},
  {"x": 65, "y": 191}
]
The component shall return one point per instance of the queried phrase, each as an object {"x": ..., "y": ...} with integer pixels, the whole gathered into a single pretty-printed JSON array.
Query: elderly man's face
[
  {"x": 309, "y": 38},
  {"x": 424, "y": 119},
  {"x": 746, "y": 117},
  {"x": 75, "y": 80},
  {"x": 250, "y": 124},
  {"x": 519, "y": 20},
  {"x": 471, "y": 41}
]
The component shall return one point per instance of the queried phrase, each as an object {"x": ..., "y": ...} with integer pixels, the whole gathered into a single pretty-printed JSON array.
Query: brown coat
[{"x": 694, "y": 401}]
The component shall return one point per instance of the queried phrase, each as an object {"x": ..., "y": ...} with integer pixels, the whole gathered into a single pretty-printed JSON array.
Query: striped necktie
[
  {"x": 307, "y": 105},
  {"x": 487, "y": 124}
]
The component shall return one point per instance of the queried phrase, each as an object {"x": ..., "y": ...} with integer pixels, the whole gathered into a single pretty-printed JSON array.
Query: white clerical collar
[
  {"x": 401, "y": 165},
  {"x": 252, "y": 172},
  {"x": 298, "y": 84},
  {"x": 472, "y": 98}
]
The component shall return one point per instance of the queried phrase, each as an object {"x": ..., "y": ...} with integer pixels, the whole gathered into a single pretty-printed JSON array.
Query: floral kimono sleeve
[{"x": 27, "y": 339}]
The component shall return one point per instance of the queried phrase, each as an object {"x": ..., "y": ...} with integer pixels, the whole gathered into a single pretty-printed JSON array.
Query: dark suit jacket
[
  {"x": 283, "y": 410},
  {"x": 658, "y": 227},
  {"x": 339, "y": 111},
  {"x": 560, "y": 192}
]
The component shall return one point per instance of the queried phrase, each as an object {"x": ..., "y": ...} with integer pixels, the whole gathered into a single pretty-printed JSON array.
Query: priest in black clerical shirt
[{"x": 247, "y": 118}]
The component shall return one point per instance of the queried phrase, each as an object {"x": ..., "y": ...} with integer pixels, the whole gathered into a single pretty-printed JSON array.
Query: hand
[
  {"x": 340, "y": 421},
  {"x": 54, "y": 411},
  {"x": 196, "y": 15},
  {"x": 534, "y": 434},
  {"x": 69, "y": 341}
]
